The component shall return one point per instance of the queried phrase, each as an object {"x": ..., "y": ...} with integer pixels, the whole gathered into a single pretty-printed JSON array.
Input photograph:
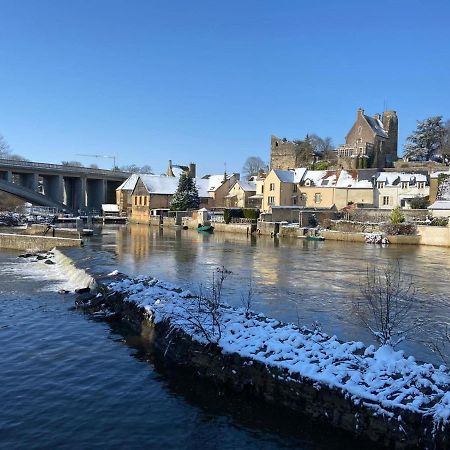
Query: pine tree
[
  {"x": 396, "y": 216},
  {"x": 186, "y": 197},
  {"x": 427, "y": 141}
]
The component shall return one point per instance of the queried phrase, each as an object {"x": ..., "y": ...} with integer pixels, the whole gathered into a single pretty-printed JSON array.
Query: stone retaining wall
[
  {"x": 300, "y": 395},
  {"x": 36, "y": 243},
  {"x": 234, "y": 228}
]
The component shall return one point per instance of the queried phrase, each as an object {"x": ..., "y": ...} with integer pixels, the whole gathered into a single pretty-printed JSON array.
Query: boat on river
[
  {"x": 315, "y": 238},
  {"x": 205, "y": 228}
]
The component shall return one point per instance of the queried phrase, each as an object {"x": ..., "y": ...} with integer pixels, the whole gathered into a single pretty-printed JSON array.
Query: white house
[{"x": 394, "y": 189}]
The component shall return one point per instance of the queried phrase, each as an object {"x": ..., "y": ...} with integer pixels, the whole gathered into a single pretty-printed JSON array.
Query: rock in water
[{"x": 82, "y": 290}]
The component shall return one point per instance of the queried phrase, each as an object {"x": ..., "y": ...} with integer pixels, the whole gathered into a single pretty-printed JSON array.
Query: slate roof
[{"x": 377, "y": 126}]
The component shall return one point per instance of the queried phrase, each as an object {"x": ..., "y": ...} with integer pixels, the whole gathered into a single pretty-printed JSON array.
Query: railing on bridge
[{"x": 8, "y": 163}]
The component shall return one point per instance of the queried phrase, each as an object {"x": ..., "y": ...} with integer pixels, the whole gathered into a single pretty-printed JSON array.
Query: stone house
[
  {"x": 371, "y": 142},
  {"x": 123, "y": 194},
  {"x": 317, "y": 188},
  {"x": 153, "y": 192},
  {"x": 218, "y": 187},
  {"x": 240, "y": 193},
  {"x": 394, "y": 189}
]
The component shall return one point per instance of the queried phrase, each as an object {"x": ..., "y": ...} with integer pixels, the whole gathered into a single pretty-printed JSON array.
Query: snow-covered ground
[{"x": 383, "y": 379}]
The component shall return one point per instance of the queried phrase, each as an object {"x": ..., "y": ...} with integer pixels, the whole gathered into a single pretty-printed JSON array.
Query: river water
[{"x": 67, "y": 381}]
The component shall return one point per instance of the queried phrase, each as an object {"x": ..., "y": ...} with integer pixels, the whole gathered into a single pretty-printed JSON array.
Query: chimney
[
  {"x": 377, "y": 117},
  {"x": 192, "y": 170},
  {"x": 360, "y": 112},
  {"x": 169, "y": 172}
]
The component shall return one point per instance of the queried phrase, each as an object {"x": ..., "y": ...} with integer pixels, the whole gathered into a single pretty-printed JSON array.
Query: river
[{"x": 67, "y": 381}]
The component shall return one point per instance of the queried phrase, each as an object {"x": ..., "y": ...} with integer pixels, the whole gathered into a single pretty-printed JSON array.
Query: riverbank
[{"x": 381, "y": 395}]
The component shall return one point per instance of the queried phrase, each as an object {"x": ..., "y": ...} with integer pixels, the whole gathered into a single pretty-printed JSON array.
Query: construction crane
[{"x": 113, "y": 157}]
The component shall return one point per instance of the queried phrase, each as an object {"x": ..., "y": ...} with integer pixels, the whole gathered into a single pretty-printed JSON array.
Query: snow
[
  {"x": 394, "y": 178},
  {"x": 161, "y": 184},
  {"x": 129, "y": 183},
  {"x": 110, "y": 207},
  {"x": 382, "y": 378},
  {"x": 247, "y": 186},
  {"x": 440, "y": 204}
]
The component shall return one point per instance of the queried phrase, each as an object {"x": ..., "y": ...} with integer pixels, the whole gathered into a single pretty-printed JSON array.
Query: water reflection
[{"x": 293, "y": 279}]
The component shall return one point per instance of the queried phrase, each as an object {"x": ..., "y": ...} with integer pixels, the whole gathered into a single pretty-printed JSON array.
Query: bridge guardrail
[{"x": 9, "y": 163}]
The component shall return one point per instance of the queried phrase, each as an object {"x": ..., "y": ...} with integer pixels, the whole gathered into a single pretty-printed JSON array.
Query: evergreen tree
[
  {"x": 186, "y": 197},
  {"x": 396, "y": 216},
  {"x": 427, "y": 141}
]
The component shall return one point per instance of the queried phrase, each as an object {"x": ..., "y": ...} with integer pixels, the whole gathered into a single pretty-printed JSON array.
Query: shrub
[
  {"x": 396, "y": 216},
  {"x": 231, "y": 213},
  {"x": 399, "y": 229},
  {"x": 439, "y": 222},
  {"x": 419, "y": 203},
  {"x": 251, "y": 213}
]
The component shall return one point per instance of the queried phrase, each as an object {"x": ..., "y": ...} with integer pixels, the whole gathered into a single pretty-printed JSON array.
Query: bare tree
[
  {"x": 387, "y": 305},
  {"x": 247, "y": 299},
  {"x": 253, "y": 165},
  {"x": 133, "y": 168},
  {"x": 4, "y": 147},
  {"x": 204, "y": 311},
  {"x": 320, "y": 145},
  {"x": 5, "y": 151}
]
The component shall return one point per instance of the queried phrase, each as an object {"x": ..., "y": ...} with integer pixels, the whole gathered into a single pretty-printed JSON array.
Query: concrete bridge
[{"x": 64, "y": 187}]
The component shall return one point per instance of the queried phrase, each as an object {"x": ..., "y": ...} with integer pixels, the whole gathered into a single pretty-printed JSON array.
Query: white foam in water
[{"x": 61, "y": 276}]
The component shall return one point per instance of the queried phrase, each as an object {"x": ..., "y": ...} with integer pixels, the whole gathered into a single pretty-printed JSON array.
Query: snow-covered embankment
[{"x": 376, "y": 393}]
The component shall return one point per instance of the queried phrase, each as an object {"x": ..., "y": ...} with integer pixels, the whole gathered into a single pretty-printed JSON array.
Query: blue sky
[{"x": 210, "y": 81}]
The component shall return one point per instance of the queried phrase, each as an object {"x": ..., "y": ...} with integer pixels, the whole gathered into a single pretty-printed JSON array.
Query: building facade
[{"x": 371, "y": 142}]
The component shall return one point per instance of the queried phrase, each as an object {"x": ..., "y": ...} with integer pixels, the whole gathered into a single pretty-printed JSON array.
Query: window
[
  {"x": 272, "y": 187},
  {"x": 420, "y": 184},
  {"x": 294, "y": 188},
  {"x": 404, "y": 184},
  {"x": 380, "y": 184},
  {"x": 262, "y": 189},
  {"x": 385, "y": 201},
  {"x": 294, "y": 200},
  {"x": 270, "y": 200},
  {"x": 317, "y": 198},
  {"x": 145, "y": 201},
  {"x": 135, "y": 200},
  {"x": 308, "y": 183},
  {"x": 304, "y": 197}
]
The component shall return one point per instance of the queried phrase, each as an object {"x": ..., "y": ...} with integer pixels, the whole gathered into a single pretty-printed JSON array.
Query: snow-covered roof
[
  {"x": 350, "y": 180},
  {"x": 247, "y": 186},
  {"x": 129, "y": 183},
  {"x": 110, "y": 207},
  {"x": 214, "y": 181},
  {"x": 290, "y": 176},
  {"x": 394, "y": 178},
  {"x": 320, "y": 177},
  {"x": 436, "y": 174},
  {"x": 376, "y": 125},
  {"x": 157, "y": 184},
  {"x": 178, "y": 171},
  {"x": 440, "y": 204}
]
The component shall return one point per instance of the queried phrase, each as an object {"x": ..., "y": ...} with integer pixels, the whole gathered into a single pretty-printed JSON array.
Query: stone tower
[{"x": 390, "y": 124}]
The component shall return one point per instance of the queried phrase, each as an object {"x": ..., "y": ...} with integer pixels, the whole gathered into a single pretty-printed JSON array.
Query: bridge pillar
[
  {"x": 54, "y": 187},
  {"x": 31, "y": 181},
  {"x": 7, "y": 176},
  {"x": 79, "y": 193},
  {"x": 96, "y": 193}
]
